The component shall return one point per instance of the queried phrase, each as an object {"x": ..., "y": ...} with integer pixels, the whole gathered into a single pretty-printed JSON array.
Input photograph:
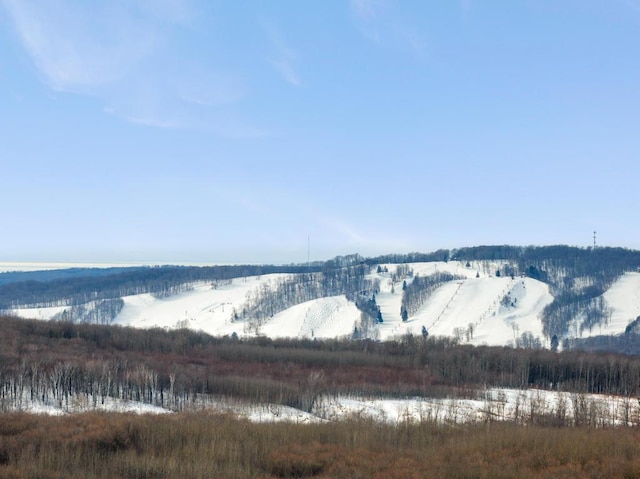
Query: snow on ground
[
  {"x": 204, "y": 308},
  {"x": 38, "y": 313},
  {"x": 470, "y": 309},
  {"x": 624, "y": 299},
  {"x": 449, "y": 311},
  {"x": 502, "y": 323},
  {"x": 78, "y": 405},
  {"x": 321, "y": 318},
  {"x": 494, "y": 405},
  {"x": 389, "y": 298}
]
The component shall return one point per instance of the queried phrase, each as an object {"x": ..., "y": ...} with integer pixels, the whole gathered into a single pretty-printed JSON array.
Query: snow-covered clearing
[
  {"x": 523, "y": 406},
  {"x": 79, "y": 404}
]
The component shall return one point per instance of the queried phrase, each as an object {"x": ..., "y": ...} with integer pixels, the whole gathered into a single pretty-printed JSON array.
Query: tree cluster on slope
[
  {"x": 160, "y": 280},
  {"x": 416, "y": 293},
  {"x": 573, "y": 274},
  {"x": 272, "y": 298},
  {"x": 577, "y": 278},
  {"x": 94, "y": 312}
]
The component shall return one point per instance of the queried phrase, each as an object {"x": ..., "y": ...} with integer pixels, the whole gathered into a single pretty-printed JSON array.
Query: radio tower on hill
[{"x": 594, "y": 240}]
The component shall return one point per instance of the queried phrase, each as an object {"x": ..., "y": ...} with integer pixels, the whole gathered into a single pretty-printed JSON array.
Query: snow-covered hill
[{"x": 479, "y": 308}]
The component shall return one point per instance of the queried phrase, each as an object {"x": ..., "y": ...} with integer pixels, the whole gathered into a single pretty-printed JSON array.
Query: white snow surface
[
  {"x": 205, "y": 308},
  {"x": 320, "y": 318},
  {"x": 494, "y": 404},
  {"x": 624, "y": 300},
  {"x": 474, "y": 301},
  {"x": 471, "y": 309}
]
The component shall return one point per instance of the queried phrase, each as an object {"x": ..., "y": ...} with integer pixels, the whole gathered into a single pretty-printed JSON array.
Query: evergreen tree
[{"x": 425, "y": 333}]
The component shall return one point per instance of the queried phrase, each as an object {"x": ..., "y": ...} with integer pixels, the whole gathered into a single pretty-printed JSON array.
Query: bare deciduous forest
[
  {"x": 199, "y": 446},
  {"x": 71, "y": 362},
  {"x": 62, "y": 361}
]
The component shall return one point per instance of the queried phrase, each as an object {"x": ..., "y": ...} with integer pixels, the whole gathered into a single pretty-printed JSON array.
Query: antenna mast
[
  {"x": 308, "y": 253},
  {"x": 594, "y": 240}
]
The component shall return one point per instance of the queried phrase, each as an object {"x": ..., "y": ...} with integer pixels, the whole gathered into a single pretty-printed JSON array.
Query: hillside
[{"x": 526, "y": 297}]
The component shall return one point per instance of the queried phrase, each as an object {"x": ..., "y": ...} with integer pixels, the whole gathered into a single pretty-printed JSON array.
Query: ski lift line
[
  {"x": 495, "y": 303},
  {"x": 448, "y": 303}
]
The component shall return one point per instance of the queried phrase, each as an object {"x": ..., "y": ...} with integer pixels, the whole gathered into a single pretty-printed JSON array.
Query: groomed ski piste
[{"x": 472, "y": 309}]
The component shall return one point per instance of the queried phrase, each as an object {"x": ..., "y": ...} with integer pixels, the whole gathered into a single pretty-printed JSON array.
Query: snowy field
[{"x": 523, "y": 406}]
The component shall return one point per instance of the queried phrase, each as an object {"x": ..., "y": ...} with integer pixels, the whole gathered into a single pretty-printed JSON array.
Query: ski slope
[
  {"x": 320, "y": 318},
  {"x": 480, "y": 308},
  {"x": 470, "y": 309},
  {"x": 205, "y": 308},
  {"x": 624, "y": 300}
]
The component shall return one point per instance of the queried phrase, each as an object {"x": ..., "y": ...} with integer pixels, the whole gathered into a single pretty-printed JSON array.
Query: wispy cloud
[
  {"x": 366, "y": 9},
  {"x": 366, "y": 14},
  {"x": 282, "y": 57},
  {"x": 77, "y": 49},
  {"x": 381, "y": 24},
  {"x": 123, "y": 53}
]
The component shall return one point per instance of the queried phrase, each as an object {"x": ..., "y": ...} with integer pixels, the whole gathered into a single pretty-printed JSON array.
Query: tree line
[
  {"x": 283, "y": 293},
  {"x": 160, "y": 280},
  {"x": 577, "y": 278},
  {"x": 62, "y": 363},
  {"x": 416, "y": 293}
]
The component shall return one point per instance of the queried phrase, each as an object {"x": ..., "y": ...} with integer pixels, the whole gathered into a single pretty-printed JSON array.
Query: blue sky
[{"x": 220, "y": 131}]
